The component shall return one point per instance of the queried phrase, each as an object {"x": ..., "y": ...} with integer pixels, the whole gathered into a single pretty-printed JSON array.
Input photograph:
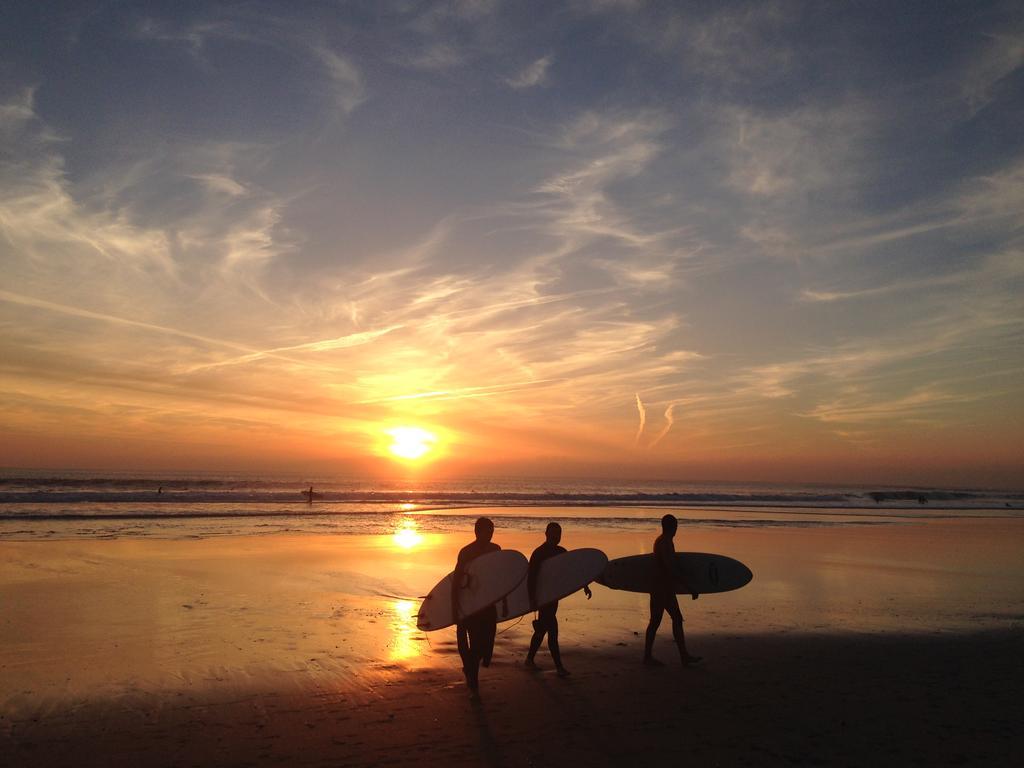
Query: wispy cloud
[
  {"x": 643, "y": 420},
  {"x": 809, "y": 148},
  {"x": 282, "y": 31},
  {"x": 738, "y": 43},
  {"x": 669, "y": 421},
  {"x": 439, "y": 56},
  {"x": 532, "y": 75},
  {"x": 900, "y": 286},
  {"x": 923, "y": 404},
  {"x": 346, "y": 79},
  {"x": 464, "y": 392},
  {"x": 1002, "y": 55},
  {"x": 322, "y": 345},
  {"x": 29, "y": 301}
]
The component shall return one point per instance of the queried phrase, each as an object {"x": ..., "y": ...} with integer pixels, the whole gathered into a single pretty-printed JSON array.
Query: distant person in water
[
  {"x": 475, "y": 634},
  {"x": 309, "y": 495},
  {"x": 547, "y": 620},
  {"x": 663, "y": 598}
]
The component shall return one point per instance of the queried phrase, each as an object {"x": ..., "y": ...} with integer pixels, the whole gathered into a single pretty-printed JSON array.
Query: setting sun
[{"x": 411, "y": 443}]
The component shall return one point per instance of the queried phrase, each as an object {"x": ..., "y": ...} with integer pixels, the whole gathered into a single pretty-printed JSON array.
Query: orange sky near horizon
[{"x": 149, "y": 425}]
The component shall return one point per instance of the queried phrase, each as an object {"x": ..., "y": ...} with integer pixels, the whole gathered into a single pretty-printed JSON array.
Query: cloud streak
[
  {"x": 322, "y": 345},
  {"x": 642, "y": 412},
  {"x": 669, "y": 421},
  {"x": 531, "y": 76},
  {"x": 28, "y": 301}
]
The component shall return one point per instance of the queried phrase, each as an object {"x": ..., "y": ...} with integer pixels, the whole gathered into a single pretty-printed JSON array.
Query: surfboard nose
[{"x": 748, "y": 575}]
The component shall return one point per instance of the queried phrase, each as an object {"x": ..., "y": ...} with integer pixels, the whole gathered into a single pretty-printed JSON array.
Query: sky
[{"x": 775, "y": 241}]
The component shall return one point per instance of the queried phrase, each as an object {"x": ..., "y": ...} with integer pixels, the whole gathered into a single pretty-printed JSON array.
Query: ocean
[{"x": 47, "y": 504}]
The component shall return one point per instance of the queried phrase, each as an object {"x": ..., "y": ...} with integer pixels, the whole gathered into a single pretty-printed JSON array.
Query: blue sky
[{"x": 743, "y": 240}]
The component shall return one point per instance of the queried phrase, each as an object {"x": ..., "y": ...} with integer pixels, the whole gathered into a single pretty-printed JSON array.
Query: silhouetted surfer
[
  {"x": 547, "y": 620},
  {"x": 663, "y": 597},
  {"x": 475, "y": 634},
  {"x": 309, "y": 495}
]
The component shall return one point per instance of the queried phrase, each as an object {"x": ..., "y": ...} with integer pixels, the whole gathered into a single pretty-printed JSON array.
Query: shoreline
[
  {"x": 541, "y": 503},
  {"x": 107, "y": 525}
]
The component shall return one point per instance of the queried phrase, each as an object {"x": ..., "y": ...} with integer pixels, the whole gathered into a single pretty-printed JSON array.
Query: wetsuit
[
  {"x": 475, "y": 634},
  {"x": 547, "y": 620},
  {"x": 663, "y": 596},
  {"x": 667, "y": 579}
]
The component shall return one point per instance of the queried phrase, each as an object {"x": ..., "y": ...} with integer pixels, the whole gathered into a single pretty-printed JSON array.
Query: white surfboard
[
  {"x": 558, "y": 577},
  {"x": 488, "y": 579},
  {"x": 705, "y": 573}
]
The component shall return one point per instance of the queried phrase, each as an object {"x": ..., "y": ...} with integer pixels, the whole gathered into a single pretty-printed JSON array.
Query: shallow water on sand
[
  {"x": 94, "y": 617},
  {"x": 162, "y": 520}
]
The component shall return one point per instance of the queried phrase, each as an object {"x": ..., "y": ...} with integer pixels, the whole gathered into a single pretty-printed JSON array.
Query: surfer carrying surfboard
[
  {"x": 667, "y": 575},
  {"x": 474, "y": 634},
  {"x": 547, "y": 619}
]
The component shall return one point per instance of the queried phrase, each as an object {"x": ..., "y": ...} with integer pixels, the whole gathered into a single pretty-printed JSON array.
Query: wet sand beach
[
  {"x": 854, "y": 645},
  {"x": 805, "y": 700}
]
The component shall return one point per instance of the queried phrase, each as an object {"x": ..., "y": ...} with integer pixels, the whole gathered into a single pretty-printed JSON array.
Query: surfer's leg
[
  {"x": 677, "y": 631},
  {"x": 488, "y": 632},
  {"x": 657, "y": 606},
  {"x": 462, "y": 640},
  {"x": 539, "y": 630},
  {"x": 556, "y": 653},
  {"x": 470, "y": 661},
  {"x": 677, "y": 624}
]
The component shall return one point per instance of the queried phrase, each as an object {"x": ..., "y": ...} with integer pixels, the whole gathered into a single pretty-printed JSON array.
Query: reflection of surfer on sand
[
  {"x": 547, "y": 619},
  {"x": 663, "y": 596},
  {"x": 475, "y": 634}
]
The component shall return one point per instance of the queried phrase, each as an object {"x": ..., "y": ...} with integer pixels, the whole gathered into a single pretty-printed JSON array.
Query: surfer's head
[
  {"x": 669, "y": 524},
  {"x": 484, "y": 529},
  {"x": 553, "y": 533}
]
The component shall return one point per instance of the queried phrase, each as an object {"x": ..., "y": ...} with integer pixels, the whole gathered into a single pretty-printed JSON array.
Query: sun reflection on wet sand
[
  {"x": 406, "y": 536},
  {"x": 406, "y": 640}
]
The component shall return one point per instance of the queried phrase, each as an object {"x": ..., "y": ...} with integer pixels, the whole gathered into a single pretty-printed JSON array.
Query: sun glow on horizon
[{"x": 411, "y": 443}]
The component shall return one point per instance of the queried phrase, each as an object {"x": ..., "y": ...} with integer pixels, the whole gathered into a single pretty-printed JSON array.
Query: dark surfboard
[{"x": 705, "y": 573}]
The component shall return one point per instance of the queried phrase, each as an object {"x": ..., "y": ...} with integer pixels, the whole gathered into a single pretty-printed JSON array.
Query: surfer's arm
[
  {"x": 457, "y": 576},
  {"x": 685, "y": 584},
  {"x": 455, "y": 600},
  {"x": 683, "y": 581},
  {"x": 668, "y": 557},
  {"x": 531, "y": 578},
  {"x": 587, "y": 592}
]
